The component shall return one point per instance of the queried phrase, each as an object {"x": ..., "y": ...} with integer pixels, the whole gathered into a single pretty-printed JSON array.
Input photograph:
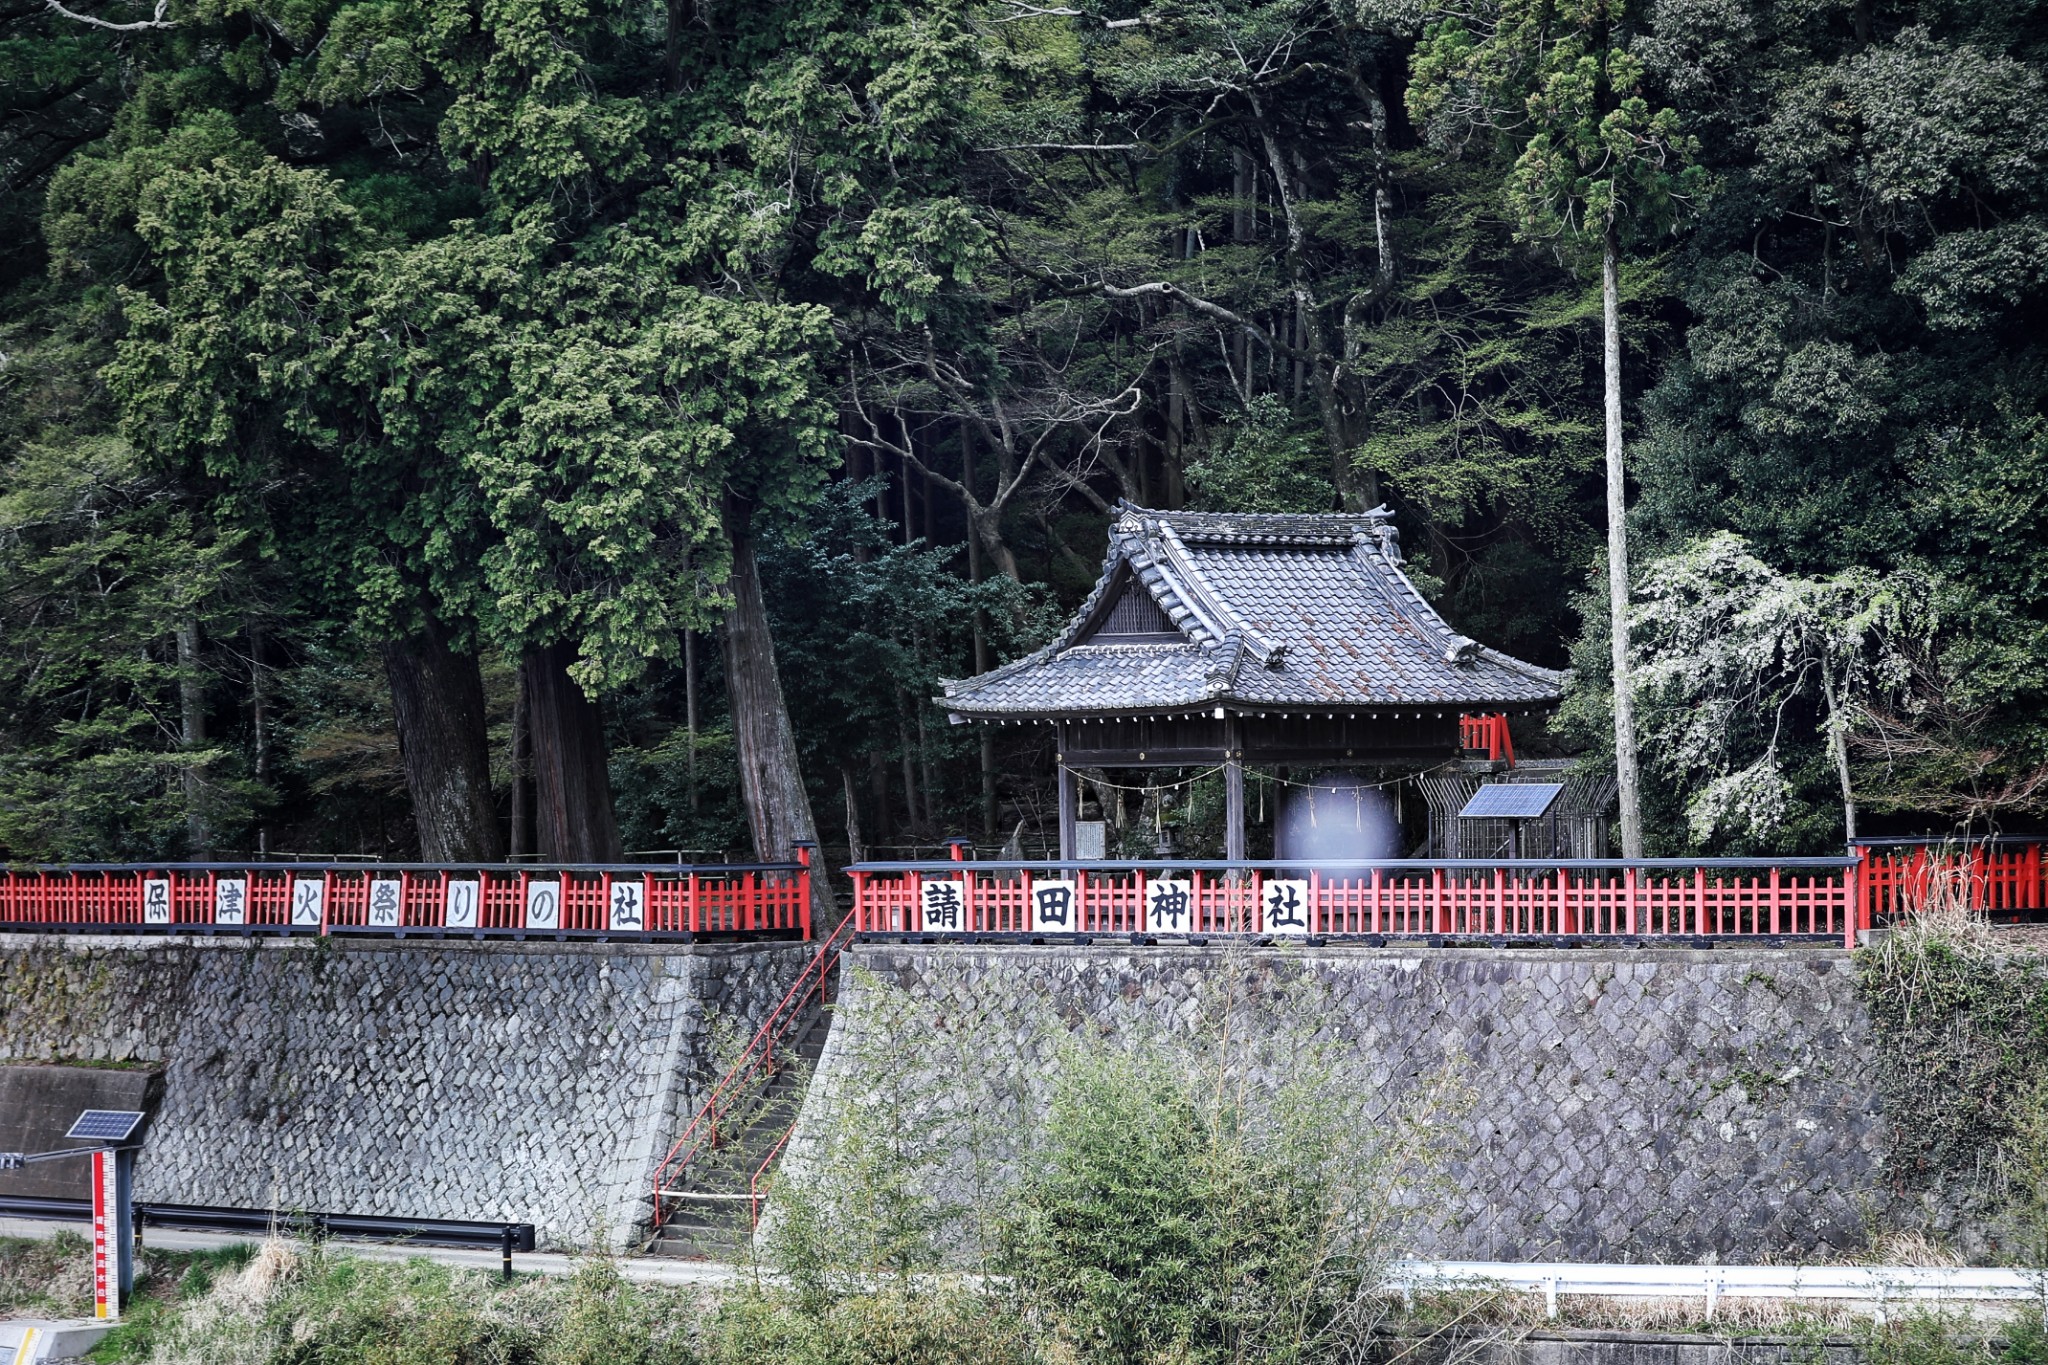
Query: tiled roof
[{"x": 1288, "y": 612}]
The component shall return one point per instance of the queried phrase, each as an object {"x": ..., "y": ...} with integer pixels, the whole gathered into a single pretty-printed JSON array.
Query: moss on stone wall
[{"x": 1962, "y": 1042}]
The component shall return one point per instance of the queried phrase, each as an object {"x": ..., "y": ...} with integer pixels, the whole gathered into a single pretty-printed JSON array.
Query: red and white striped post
[{"x": 113, "y": 1233}]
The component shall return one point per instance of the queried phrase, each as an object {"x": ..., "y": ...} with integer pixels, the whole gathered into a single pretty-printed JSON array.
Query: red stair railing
[{"x": 757, "y": 1063}]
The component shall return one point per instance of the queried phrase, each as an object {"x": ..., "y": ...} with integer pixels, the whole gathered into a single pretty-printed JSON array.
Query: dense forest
[{"x": 462, "y": 428}]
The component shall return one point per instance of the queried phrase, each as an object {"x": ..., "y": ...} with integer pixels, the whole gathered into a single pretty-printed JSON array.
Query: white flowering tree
[{"x": 1739, "y": 664}]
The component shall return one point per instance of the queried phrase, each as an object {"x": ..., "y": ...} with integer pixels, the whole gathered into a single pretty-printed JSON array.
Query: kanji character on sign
[
  {"x": 944, "y": 906},
  {"x": 1287, "y": 907}
]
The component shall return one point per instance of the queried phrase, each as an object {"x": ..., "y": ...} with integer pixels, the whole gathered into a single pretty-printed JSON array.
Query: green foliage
[
  {"x": 99, "y": 559},
  {"x": 872, "y": 627},
  {"x": 1219, "y": 1192},
  {"x": 1556, "y": 79},
  {"x": 1740, "y": 664},
  {"x": 1261, "y": 461},
  {"x": 939, "y": 1326}
]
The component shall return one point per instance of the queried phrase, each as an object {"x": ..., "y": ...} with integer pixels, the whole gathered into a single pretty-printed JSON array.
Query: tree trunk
[
  {"x": 1625, "y": 769},
  {"x": 878, "y": 792},
  {"x": 690, "y": 709},
  {"x": 855, "y": 850},
  {"x": 909, "y": 761},
  {"x": 1838, "y": 750},
  {"x": 437, "y": 697},
  {"x": 981, "y": 652},
  {"x": 259, "y": 725},
  {"x": 192, "y": 737},
  {"x": 771, "y": 781},
  {"x": 520, "y": 843},
  {"x": 572, "y": 786}
]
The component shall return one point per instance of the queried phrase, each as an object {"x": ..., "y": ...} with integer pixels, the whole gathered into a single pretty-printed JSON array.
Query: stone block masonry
[
  {"x": 1621, "y": 1104},
  {"x": 539, "y": 1082}
]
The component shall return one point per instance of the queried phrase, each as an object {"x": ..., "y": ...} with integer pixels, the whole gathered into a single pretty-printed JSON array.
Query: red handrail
[{"x": 755, "y": 1061}]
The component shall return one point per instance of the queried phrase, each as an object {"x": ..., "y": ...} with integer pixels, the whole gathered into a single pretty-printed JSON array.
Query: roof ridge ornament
[{"x": 1380, "y": 522}]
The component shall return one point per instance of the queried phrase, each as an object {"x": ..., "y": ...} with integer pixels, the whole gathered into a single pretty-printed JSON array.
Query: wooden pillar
[
  {"x": 1233, "y": 792},
  {"x": 1069, "y": 811}
]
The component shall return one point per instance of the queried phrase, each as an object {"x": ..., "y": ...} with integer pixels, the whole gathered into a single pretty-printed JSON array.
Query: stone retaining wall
[
  {"x": 1619, "y": 1104},
  {"x": 536, "y": 1082}
]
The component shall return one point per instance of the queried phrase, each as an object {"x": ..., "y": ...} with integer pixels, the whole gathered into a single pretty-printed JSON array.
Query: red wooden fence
[
  {"x": 2003, "y": 878},
  {"x": 659, "y": 900},
  {"x": 1713, "y": 897}
]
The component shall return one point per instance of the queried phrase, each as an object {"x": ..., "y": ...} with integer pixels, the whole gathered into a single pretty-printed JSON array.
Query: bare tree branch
[{"x": 158, "y": 21}]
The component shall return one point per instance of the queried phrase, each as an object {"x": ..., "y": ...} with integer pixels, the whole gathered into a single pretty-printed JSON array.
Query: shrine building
[{"x": 1218, "y": 638}]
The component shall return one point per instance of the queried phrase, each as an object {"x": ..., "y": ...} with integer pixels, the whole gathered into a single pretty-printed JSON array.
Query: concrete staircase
[{"x": 711, "y": 1215}]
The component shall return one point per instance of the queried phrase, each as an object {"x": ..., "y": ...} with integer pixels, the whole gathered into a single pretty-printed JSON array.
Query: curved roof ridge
[
  {"x": 1213, "y": 603},
  {"x": 1358, "y": 631}
]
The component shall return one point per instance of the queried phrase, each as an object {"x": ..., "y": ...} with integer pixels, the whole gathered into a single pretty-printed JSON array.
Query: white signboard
[
  {"x": 1169, "y": 907},
  {"x": 309, "y": 903},
  {"x": 1055, "y": 908},
  {"x": 1288, "y": 908},
  {"x": 231, "y": 901},
  {"x": 156, "y": 900},
  {"x": 460, "y": 910},
  {"x": 628, "y": 911},
  {"x": 944, "y": 903},
  {"x": 543, "y": 905},
  {"x": 387, "y": 904}
]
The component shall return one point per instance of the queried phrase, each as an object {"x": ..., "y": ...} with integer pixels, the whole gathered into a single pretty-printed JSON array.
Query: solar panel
[
  {"x": 1511, "y": 801},
  {"x": 106, "y": 1125}
]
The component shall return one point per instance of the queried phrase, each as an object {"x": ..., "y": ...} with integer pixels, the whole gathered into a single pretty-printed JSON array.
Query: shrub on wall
[{"x": 1961, "y": 1025}]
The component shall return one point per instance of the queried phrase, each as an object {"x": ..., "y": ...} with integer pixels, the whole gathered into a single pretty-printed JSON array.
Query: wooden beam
[
  {"x": 1233, "y": 797},
  {"x": 1069, "y": 836}
]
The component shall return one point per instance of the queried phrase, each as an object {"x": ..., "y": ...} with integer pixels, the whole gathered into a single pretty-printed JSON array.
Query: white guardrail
[{"x": 1863, "y": 1284}]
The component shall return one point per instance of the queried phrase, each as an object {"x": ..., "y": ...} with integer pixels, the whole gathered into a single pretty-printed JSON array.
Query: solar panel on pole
[
  {"x": 106, "y": 1125},
  {"x": 1512, "y": 801}
]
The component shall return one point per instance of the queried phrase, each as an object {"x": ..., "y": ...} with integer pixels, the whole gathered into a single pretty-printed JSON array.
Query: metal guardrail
[
  {"x": 1877, "y": 1285},
  {"x": 508, "y": 1237}
]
